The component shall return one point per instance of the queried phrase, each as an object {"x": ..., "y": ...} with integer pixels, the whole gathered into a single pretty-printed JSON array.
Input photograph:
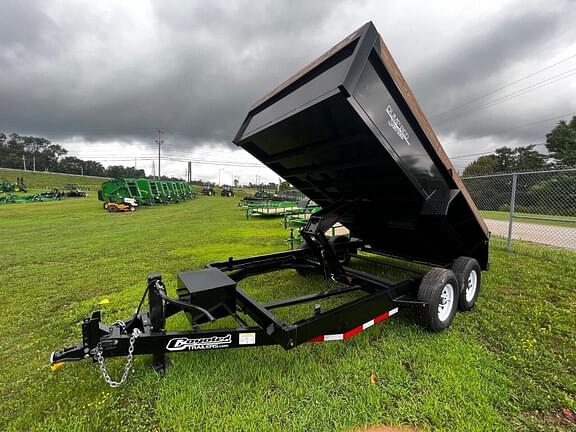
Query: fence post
[{"x": 511, "y": 219}]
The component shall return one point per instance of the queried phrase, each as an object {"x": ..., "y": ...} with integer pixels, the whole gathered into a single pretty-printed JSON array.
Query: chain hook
[{"x": 100, "y": 359}]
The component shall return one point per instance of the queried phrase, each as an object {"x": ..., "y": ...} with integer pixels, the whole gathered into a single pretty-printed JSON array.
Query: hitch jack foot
[{"x": 159, "y": 363}]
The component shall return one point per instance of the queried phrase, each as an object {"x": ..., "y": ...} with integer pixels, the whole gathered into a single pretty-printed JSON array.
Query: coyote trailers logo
[
  {"x": 214, "y": 342},
  {"x": 396, "y": 125}
]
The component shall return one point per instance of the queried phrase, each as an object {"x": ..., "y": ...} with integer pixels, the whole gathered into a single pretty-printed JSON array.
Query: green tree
[
  {"x": 93, "y": 168},
  {"x": 561, "y": 143},
  {"x": 71, "y": 165},
  {"x": 506, "y": 159},
  {"x": 482, "y": 165}
]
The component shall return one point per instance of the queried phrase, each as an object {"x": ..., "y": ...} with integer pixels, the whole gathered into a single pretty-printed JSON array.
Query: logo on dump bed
[
  {"x": 214, "y": 342},
  {"x": 396, "y": 125}
]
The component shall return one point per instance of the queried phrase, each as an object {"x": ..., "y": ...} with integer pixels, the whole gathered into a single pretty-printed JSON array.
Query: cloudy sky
[{"x": 101, "y": 77}]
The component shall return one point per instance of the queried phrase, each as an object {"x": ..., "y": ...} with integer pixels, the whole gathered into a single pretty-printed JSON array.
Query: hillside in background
[{"x": 45, "y": 180}]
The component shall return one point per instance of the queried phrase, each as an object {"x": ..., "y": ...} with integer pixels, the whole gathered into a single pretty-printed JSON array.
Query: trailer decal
[
  {"x": 355, "y": 330},
  {"x": 214, "y": 342},
  {"x": 396, "y": 125}
]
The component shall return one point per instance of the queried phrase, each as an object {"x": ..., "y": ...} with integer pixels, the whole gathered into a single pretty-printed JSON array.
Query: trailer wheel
[
  {"x": 343, "y": 255},
  {"x": 468, "y": 273},
  {"x": 132, "y": 208},
  {"x": 439, "y": 289}
]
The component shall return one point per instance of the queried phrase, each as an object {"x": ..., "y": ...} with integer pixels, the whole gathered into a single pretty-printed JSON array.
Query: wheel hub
[
  {"x": 471, "y": 285},
  {"x": 446, "y": 302}
]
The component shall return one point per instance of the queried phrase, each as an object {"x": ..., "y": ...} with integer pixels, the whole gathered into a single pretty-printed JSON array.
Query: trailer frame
[{"x": 382, "y": 299}]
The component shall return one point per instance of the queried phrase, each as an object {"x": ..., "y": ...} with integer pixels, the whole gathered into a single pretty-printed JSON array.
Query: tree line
[
  {"x": 19, "y": 151},
  {"x": 539, "y": 193},
  {"x": 560, "y": 143}
]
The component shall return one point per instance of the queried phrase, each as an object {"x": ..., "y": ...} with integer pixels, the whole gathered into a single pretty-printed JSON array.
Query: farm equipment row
[
  {"x": 227, "y": 191},
  {"x": 142, "y": 191},
  {"x": 348, "y": 133},
  {"x": 8, "y": 187},
  {"x": 53, "y": 195}
]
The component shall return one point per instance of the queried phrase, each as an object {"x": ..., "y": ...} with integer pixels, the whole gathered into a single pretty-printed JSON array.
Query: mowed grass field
[
  {"x": 507, "y": 365},
  {"x": 538, "y": 219}
]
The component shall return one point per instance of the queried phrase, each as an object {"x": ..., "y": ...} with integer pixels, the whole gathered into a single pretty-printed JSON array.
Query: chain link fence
[{"x": 537, "y": 206}]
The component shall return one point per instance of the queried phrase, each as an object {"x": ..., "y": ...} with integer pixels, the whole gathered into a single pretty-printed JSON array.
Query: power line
[
  {"x": 493, "y": 151},
  {"x": 517, "y": 93},
  {"x": 520, "y": 126},
  {"x": 496, "y": 90}
]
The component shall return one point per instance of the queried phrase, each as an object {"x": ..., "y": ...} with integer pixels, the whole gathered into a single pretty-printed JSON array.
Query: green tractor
[
  {"x": 227, "y": 191},
  {"x": 208, "y": 190}
]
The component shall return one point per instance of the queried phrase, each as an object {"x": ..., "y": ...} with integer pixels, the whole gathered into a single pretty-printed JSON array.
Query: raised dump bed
[
  {"x": 348, "y": 133},
  {"x": 347, "y": 129}
]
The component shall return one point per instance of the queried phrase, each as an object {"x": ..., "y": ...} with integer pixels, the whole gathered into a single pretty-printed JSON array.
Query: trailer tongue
[{"x": 348, "y": 133}]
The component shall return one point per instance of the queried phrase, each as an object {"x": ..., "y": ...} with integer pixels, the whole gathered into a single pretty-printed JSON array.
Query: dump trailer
[{"x": 348, "y": 133}]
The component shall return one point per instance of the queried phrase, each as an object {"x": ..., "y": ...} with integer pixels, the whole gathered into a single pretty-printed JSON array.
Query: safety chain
[{"x": 100, "y": 358}]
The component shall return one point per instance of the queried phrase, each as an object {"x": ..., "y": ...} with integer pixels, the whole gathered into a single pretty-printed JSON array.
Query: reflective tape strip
[{"x": 355, "y": 330}]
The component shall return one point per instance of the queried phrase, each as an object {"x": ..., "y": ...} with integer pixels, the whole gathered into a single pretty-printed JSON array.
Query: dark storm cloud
[
  {"x": 478, "y": 64},
  {"x": 208, "y": 63},
  {"x": 106, "y": 71}
]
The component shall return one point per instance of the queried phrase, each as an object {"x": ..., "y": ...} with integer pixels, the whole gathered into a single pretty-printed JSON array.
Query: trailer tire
[
  {"x": 439, "y": 289},
  {"x": 468, "y": 273}
]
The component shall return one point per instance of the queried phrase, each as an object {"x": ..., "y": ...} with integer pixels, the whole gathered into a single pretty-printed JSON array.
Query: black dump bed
[{"x": 347, "y": 128}]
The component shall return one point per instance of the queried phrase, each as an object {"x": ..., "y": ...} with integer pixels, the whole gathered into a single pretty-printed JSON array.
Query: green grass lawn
[
  {"x": 42, "y": 181},
  {"x": 508, "y": 365},
  {"x": 564, "y": 221}
]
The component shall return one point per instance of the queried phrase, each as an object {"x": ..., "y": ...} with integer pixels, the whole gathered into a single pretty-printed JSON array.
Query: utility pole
[
  {"x": 153, "y": 170},
  {"x": 189, "y": 171},
  {"x": 159, "y": 141},
  {"x": 82, "y": 170},
  {"x": 34, "y": 162},
  {"x": 24, "y": 161}
]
